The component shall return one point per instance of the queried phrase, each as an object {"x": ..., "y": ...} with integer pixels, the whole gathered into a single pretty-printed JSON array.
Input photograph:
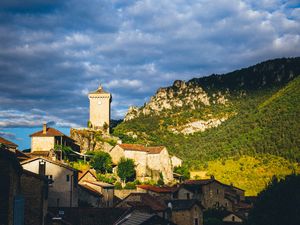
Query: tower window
[{"x": 68, "y": 178}]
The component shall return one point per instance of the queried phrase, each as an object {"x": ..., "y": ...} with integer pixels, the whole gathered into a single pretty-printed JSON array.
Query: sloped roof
[
  {"x": 158, "y": 189},
  {"x": 83, "y": 173},
  {"x": 99, "y": 90},
  {"x": 145, "y": 200},
  {"x": 184, "y": 204},
  {"x": 50, "y": 161},
  {"x": 90, "y": 190},
  {"x": 100, "y": 184},
  {"x": 142, "y": 148},
  {"x": 7, "y": 142},
  {"x": 21, "y": 155},
  {"x": 39, "y": 153},
  {"x": 50, "y": 132}
]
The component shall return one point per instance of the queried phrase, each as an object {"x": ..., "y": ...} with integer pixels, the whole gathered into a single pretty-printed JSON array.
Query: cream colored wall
[
  {"x": 60, "y": 189},
  {"x": 176, "y": 161},
  {"x": 140, "y": 160},
  {"x": 42, "y": 143},
  {"x": 162, "y": 163},
  {"x": 99, "y": 113},
  {"x": 116, "y": 154}
]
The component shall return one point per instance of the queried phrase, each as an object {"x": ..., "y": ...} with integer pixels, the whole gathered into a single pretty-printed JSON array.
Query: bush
[
  {"x": 130, "y": 185},
  {"x": 118, "y": 185},
  {"x": 126, "y": 169},
  {"x": 102, "y": 162}
]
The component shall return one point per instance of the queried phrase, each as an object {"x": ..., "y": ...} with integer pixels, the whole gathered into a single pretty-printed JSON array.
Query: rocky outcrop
[
  {"x": 93, "y": 140},
  {"x": 199, "y": 126},
  {"x": 180, "y": 94}
]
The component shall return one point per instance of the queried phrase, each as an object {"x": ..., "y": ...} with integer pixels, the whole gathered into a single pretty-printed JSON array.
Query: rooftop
[
  {"x": 158, "y": 189},
  {"x": 50, "y": 161},
  {"x": 99, "y": 91},
  {"x": 50, "y": 132},
  {"x": 145, "y": 200},
  {"x": 7, "y": 142}
]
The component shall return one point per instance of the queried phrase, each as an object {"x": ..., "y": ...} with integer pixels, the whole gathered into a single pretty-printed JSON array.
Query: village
[{"x": 50, "y": 185}]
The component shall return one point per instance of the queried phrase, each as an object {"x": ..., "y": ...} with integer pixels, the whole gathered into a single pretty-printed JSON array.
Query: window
[
  {"x": 50, "y": 180},
  {"x": 233, "y": 218},
  {"x": 42, "y": 167},
  {"x": 217, "y": 191},
  {"x": 196, "y": 222},
  {"x": 68, "y": 178},
  {"x": 188, "y": 196}
]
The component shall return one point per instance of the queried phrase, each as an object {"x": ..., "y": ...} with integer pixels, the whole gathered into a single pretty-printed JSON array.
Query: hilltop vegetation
[{"x": 260, "y": 104}]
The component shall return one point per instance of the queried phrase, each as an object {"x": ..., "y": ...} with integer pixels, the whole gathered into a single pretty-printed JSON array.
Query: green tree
[
  {"x": 126, "y": 169},
  {"x": 101, "y": 162},
  {"x": 278, "y": 204},
  {"x": 183, "y": 170}
]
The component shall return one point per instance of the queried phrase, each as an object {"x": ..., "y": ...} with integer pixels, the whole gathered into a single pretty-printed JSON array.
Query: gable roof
[
  {"x": 83, "y": 173},
  {"x": 50, "y": 161},
  {"x": 21, "y": 155},
  {"x": 184, "y": 204},
  {"x": 50, "y": 132},
  {"x": 144, "y": 200},
  {"x": 100, "y": 184},
  {"x": 157, "y": 189},
  {"x": 7, "y": 142},
  {"x": 142, "y": 148}
]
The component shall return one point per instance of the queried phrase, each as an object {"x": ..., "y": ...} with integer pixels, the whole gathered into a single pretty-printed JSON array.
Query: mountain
[{"x": 253, "y": 111}]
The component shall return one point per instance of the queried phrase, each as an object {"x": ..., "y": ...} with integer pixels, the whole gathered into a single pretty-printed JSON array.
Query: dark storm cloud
[{"x": 54, "y": 52}]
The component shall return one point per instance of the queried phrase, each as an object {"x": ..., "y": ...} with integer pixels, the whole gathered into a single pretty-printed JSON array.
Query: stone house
[
  {"x": 105, "y": 189},
  {"x": 63, "y": 184},
  {"x": 150, "y": 161},
  {"x": 48, "y": 137},
  {"x": 36, "y": 199},
  {"x": 11, "y": 199},
  {"x": 186, "y": 212},
  {"x": 210, "y": 192},
  {"x": 93, "y": 192}
]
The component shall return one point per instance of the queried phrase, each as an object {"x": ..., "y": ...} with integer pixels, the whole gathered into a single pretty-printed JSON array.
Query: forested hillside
[{"x": 251, "y": 111}]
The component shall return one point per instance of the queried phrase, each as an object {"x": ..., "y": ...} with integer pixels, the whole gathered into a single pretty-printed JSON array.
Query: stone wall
[
  {"x": 187, "y": 217},
  {"x": 35, "y": 199}
]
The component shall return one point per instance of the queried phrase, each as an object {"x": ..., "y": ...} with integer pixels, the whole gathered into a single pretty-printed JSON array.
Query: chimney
[{"x": 44, "y": 128}]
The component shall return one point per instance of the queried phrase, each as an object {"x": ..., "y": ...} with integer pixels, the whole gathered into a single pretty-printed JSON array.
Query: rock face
[
  {"x": 180, "y": 94},
  {"x": 93, "y": 140},
  {"x": 200, "y": 125}
]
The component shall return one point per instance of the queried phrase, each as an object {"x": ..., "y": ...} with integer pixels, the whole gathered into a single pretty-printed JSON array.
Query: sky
[{"x": 53, "y": 52}]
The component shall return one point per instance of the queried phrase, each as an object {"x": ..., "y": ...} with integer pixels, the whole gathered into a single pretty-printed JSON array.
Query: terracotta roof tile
[
  {"x": 138, "y": 147},
  {"x": 7, "y": 142},
  {"x": 50, "y": 132}
]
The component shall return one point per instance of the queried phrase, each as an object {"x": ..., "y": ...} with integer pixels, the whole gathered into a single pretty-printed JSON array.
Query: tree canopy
[
  {"x": 126, "y": 169},
  {"x": 278, "y": 204},
  {"x": 101, "y": 162}
]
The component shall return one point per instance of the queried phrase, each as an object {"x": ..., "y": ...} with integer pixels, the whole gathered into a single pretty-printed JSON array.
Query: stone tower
[{"x": 100, "y": 108}]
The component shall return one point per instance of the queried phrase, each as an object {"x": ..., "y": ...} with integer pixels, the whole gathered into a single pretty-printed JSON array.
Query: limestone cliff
[
  {"x": 180, "y": 96},
  {"x": 93, "y": 140}
]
